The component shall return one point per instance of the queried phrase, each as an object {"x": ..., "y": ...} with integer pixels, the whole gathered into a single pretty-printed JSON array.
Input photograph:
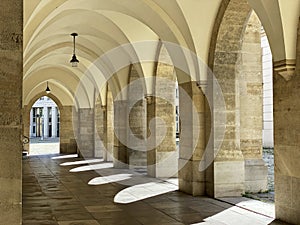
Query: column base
[
  {"x": 191, "y": 180},
  {"x": 137, "y": 159},
  {"x": 120, "y": 165},
  {"x": 256, "y": 175},
  {"x": 68, "y": 148},
  {"x": 229, "y": 179},
  {"x": 166, "y": 165}
]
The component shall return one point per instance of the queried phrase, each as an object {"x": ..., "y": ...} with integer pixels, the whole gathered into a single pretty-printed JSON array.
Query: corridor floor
[{"x": 65, "y": 190}]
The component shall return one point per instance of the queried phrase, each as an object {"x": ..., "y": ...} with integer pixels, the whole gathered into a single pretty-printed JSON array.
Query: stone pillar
[
  {"x": 162, "y": 158},
  {"x": 120, "y": 124},
  {"x": 11, "y": 71},
  {"x": 100, "y": 127},
  {"x": 137, "y": 121},
  {"x": 86, "y": 132},
  {"x": 137, "y": 124},
  {"x": 286, "y": 84},
  {"x": 54, "y": 121},
  {"x": 110, "y": 126},
  {"x": 68, "y": 143},
  {"x": 251, "y": 107},
  {"x": 192, "y": 139},
  {"x": 286, "y": 148},
  {"x": 226, "y": 176},
  {"x": 46, "y": 122}
]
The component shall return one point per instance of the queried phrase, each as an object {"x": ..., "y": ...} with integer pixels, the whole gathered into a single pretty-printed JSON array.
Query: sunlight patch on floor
[
  {"x": 92, "y": 167},
  {"x": 65, "y": 156},
  {"x": 143, "y": 191},
  {"x": 81, "y": 162},
  {"x": 232, "y": 216},
  {"x": 109, "y": 179}
]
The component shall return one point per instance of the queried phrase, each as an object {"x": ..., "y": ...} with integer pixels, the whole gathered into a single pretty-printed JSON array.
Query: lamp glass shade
[
  {"x": 48, "y": 90},
  {"x": 74, "y": 61}
]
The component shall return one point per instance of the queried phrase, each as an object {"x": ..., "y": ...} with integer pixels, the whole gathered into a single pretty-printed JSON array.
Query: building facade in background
[
  {"x": 44, "y": 119},
  {"x": 267, "y": 71}
]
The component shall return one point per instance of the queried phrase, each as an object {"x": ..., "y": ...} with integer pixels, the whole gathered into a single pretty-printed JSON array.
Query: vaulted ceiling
[{"x": 105, "y": 25}]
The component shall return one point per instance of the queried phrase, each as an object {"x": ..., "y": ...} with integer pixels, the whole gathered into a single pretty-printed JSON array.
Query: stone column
[
  {"x": 54, "y": 121},
  {"x": 137, "y": 125},
  {"x": 46, "y": 122},
  {"x": 68, "y": 143},
  {"x": 120, "y": 124},
  {"x": 228, "y": 168},
  {"x": 100, "y": 128},
  {"x": 251, "y": 107},
  {"x": 110, "y": 126},
  {"x": 226, "y": 176},
  {"x": 11, "y": 71},
  {"x": 86, "y": 132},
  {"x": 137, "y": 121},
  {"x": 286, "y": 84},
  {"x": 286, "y": 148},
  {"x": 162, "y": 158},
  {"x": 192, "y": 139}
]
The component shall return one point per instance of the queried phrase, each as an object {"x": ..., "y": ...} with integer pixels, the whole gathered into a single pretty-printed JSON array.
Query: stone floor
[{"x": 65, "y": 190}]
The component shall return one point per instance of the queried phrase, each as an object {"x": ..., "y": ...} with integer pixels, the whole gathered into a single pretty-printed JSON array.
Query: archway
[
  {"x": 42, "y": 124},
  {"x": 44, "y": 128},
  {"x": 235, "y": 59}
]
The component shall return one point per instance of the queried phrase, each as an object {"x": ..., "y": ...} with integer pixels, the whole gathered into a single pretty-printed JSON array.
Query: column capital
[
  {"x": 149, "y": 99},
  {"x": 285, "y": 68}
]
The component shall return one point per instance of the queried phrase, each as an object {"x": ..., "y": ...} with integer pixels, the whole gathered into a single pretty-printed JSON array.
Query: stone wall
[{"x": 11, "y": 71}]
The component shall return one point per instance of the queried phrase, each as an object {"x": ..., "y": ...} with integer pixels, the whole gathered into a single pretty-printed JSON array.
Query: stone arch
[{"x": 235, "y": 59}]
